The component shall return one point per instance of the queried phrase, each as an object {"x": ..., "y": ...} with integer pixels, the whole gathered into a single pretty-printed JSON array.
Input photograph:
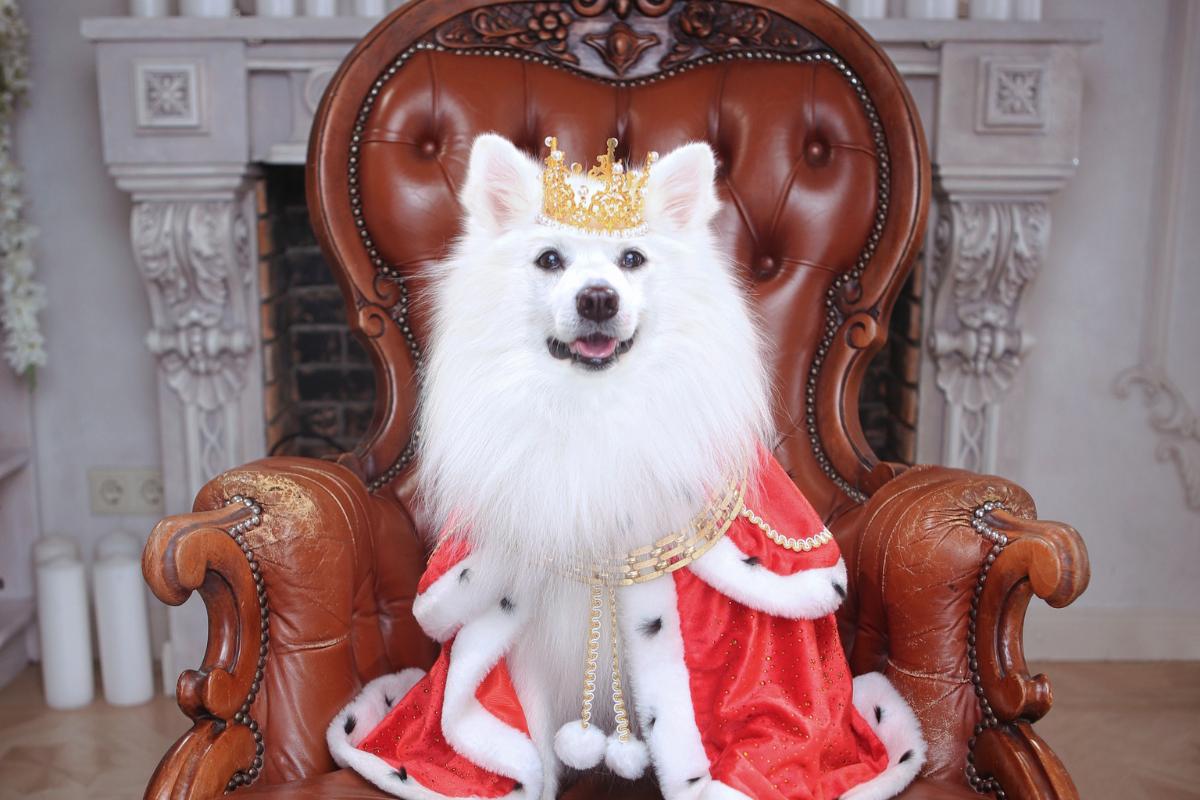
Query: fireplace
[
  {"x": 205, "y": 124},
  {"x": 318, "y": 384}
]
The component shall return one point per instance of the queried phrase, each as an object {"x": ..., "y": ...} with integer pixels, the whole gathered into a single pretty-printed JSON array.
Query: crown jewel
[{"x": 610, "y": 202}]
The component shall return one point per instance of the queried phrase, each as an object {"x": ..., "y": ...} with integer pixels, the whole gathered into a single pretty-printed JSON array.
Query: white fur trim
[
  {"x": 580, "y": 747},
  {"x": 627, "y": 759},
  {"x": 368, "y": 710},
  {"x": 362, "y": 714},
  {"x": 716, "y": 790},
  {"x": 469, "y": 728},
  {"x": 897, "y": 727},
  {"x": 809, "y": 594},
  {"x": 459, "y": 595},
  {"x": 662, "y": 690}
]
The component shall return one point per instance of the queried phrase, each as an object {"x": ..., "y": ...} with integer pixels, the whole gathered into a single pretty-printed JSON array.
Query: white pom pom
[
  {"x": 579, "y": 747},
  {"x": 629, "y": 758}
]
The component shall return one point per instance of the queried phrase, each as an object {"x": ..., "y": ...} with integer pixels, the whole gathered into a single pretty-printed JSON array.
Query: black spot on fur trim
[
  {"x": 841, "y": 590},
  {"x": 351, "y": 721},
  {"x": 464, "y": 576},
  {"x": 388, "y": 701},
  {"x": 693, "y": 780},
  {"x": 651, "y": 627},
  {"x": 907, "y": 755},
  {"x": 518, "y": 786},
  {"x": 879, "y": 713},
  {"x": 650, "y": 724},
  {"x": 752, "y": 561},
  {"x": 401, "y": 773},
  {"x": 507, "y": 605}
]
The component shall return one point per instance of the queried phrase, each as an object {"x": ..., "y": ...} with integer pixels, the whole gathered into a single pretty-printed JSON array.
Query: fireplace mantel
[{"x": 190, "y": 107}]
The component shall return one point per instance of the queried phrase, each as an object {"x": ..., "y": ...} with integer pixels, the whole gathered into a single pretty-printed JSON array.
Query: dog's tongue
[{"x": 595, "y": 346}]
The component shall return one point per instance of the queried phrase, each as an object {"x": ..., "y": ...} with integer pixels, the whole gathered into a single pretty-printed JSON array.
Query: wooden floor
[{"x": 1125, "y": 731}]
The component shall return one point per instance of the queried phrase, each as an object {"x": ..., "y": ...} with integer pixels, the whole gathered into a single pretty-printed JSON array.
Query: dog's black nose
[{"x": 597, "y": 303}]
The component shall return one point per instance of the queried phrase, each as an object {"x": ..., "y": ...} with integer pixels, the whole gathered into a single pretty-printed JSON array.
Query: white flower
[{"x": 21, "y": 298}]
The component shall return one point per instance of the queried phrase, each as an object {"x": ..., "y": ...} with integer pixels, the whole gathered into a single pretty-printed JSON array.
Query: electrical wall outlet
[{"x": 122, "y": 490}]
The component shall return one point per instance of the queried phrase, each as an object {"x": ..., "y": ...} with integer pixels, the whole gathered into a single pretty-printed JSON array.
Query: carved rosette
[
  {"x": 193, "y": 258},
  {"x": 985, "y": 254}
]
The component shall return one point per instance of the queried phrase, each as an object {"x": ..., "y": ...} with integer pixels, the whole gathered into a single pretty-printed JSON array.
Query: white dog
[{"x": 585, "y": 396}]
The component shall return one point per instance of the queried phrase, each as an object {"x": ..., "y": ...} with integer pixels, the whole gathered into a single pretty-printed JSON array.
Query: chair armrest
[
  {"x": 308, "y": 581},
  {"x": 945, "y": 565}
]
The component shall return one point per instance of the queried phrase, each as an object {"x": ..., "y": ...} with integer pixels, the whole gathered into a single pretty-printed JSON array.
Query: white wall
[
  {"x": 95, "y": 403},
  {"x": 1087, "y": 457}
]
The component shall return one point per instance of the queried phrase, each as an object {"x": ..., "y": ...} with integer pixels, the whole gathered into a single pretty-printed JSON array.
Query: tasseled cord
[{"x": 582, "y": 744}]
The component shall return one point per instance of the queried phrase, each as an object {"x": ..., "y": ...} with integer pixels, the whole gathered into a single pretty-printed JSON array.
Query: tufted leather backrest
[{"x": 822, "y": 173}]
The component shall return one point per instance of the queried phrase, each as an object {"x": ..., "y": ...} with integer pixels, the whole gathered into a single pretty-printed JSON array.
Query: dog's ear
[
  {"x": 503, "y": 186},
  {"x": 681, "y": 195}
]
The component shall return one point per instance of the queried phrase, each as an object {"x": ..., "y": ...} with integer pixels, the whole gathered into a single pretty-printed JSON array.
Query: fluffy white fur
[
  {"x": 808, "y": 594},
  {"x": 897, "y": 727},
  {"x": 549, "y": 457}
]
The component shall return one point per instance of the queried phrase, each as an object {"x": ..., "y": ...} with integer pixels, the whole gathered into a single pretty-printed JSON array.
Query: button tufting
[
  {"x": 429, "y": 148},
  {"x": 764, "y": 266},
  {"x": 816, "y": 152}
]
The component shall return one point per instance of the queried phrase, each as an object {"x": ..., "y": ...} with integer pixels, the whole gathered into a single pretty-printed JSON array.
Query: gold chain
[
  {"x": 669, "y": 553},
  {"x": 797, "y": 545}
]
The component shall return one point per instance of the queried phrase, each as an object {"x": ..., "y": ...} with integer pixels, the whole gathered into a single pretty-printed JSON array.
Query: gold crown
[{"x": 615, "y": 208}]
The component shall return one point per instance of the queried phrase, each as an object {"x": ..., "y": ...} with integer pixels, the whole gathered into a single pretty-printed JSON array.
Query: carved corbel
[
  {"x": 985, "y": 253},
  {"x": 193, "y": 256}
]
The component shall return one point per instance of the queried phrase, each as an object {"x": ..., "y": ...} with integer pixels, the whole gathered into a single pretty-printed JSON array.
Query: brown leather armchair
[{"x": 308, "y": 568}]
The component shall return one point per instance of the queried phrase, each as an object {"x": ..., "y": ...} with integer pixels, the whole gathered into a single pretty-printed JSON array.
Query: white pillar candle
[
  {"x": 320, "y": 8},
  {"x": 931, "y": 9},
  {"x": 206, "y": 8},
  {"x": 1029, "y": 10},
  {"x": 991, "y": 9},
  {"x": 275, "y": 8},
  {"x": 148, "y": 8},
  {"x": 49, "y": 548},
  {"x": 126, "y": 667},
  {"x": 65, "y": 633},
  {"x": 118, "y": 543},
  {"x": 867, "y": 9},
  {"x": 369, "y": 8}
]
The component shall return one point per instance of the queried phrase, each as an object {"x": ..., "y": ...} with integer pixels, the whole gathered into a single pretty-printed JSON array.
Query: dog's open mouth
[{"x": 594, "y": 351}]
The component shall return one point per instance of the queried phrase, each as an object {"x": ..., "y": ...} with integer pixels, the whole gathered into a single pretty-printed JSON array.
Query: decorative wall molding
[
  {"x": 985, "y": 254},
  {"x": 1173, "y": 420},
  {"x": 1171, "y": 416}
]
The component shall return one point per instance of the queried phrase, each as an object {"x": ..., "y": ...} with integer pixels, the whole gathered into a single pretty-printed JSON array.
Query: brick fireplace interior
[{"x": 319, "y": 388}]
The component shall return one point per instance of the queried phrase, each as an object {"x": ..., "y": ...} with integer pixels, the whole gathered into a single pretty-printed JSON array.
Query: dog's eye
[
  {"x": 550, "y": 260},
  {"x": 631, "y": 259}
]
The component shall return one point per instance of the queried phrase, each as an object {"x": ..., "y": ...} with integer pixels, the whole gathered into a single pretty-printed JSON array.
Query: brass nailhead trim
[
  {"x": 999, "y": 541},
  {"x": 242, "y": 717}
]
